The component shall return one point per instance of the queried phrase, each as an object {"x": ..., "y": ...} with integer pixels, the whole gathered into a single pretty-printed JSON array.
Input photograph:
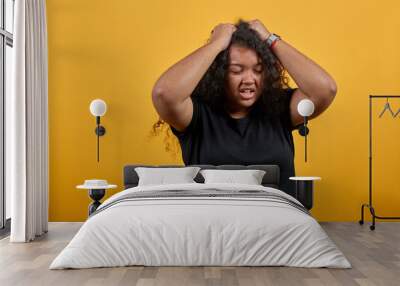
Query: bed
[{"x": 201, "y": 224}]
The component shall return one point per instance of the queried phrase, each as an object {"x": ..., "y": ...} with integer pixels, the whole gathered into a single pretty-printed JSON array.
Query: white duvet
[{"x": 200, "y": 231}]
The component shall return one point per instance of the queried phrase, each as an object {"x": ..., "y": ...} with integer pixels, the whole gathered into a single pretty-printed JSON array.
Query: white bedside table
[
  {"x": 305, "y": 190},
  {"x": 97, "y": 189}
]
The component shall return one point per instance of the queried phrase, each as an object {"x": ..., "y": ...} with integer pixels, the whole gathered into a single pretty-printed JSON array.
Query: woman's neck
[{"x": 237, "y": 113}]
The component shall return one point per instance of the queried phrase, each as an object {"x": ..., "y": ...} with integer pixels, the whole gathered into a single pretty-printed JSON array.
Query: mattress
[{"x": 198, "y": 224}]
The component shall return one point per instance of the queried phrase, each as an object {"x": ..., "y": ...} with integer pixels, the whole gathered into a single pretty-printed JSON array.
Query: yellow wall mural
[{"x": 116, "y": 50}]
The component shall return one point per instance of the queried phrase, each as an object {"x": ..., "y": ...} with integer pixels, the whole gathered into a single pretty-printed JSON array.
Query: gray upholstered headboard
[{"x": 270, "y": 179}]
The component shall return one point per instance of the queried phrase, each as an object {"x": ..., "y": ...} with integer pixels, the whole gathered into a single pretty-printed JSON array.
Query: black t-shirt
[{"x": 218, "y": 139}]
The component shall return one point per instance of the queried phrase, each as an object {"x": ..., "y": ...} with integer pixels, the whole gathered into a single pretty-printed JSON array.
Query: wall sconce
[
  {"x": 98, "y": 108},
  {"x": 305, "y": 109}
]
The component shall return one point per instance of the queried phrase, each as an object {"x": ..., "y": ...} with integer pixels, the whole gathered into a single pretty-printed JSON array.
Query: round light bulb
[
  {"x": 305, "y": 107},
  {"x": 98, "y": 107}
]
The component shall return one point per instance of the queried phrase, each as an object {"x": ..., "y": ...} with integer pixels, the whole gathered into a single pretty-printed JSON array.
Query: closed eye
[
  {"x": 236, "y": 72},
  {"x": 236, "y": 69},
  {"x": 259, "y": 68}
]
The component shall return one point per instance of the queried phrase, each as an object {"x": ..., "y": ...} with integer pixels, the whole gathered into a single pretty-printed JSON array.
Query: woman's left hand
[{"x": 259, "y": 27}]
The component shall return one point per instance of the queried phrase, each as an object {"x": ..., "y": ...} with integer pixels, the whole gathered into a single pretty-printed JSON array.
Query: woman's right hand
[{"x": 222, "y": 34}]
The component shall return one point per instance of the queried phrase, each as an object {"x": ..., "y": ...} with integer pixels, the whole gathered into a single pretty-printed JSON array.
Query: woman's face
[{"x": 244, "y": 79}]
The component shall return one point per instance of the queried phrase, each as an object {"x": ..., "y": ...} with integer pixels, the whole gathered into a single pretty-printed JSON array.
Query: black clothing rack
[{"x": 371, "y": 208}]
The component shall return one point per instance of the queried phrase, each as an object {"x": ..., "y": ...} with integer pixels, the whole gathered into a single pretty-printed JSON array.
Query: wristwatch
[{"x": 272, "y": 39}]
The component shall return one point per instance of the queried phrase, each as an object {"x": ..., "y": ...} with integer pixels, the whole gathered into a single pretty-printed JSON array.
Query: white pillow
[
  {"x": 161, "y": 176},
  {"x": 249, "y": 177}
]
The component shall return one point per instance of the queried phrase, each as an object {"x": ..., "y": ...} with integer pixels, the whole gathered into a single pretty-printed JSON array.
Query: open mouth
[{"x": 247, "y": 93}]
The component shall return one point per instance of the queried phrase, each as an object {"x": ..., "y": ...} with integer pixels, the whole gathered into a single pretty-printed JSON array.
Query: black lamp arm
[{"x": 100, "y": 131}]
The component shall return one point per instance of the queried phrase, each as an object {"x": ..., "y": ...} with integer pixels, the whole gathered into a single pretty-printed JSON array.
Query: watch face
[{"x": 272, "y": 38}]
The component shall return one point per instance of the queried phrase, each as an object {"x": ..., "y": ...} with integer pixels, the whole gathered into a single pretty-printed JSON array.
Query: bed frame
[{"x": 270, "y": 179}]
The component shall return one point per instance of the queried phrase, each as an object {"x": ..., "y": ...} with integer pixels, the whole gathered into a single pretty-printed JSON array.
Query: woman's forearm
[
  {"x": 312, "y": 79},
  {"x": 178, "y": 82}
]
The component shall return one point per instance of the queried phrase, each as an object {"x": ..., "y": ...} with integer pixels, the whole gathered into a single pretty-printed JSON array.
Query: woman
[{"x": 229, "y": 101}]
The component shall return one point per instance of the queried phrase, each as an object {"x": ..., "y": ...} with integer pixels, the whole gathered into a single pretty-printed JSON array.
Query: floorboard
[{"x": 374, "y": 255}]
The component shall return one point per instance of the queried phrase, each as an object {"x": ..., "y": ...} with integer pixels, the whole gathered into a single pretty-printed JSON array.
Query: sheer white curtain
[{"x": 27, "y": 124}]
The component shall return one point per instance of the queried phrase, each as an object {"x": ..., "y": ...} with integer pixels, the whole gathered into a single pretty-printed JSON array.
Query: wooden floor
[{"x": 375, "y": 256}]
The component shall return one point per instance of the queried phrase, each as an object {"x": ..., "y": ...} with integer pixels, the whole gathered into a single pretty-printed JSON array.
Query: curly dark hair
[{"x": 211, "y": 88}]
